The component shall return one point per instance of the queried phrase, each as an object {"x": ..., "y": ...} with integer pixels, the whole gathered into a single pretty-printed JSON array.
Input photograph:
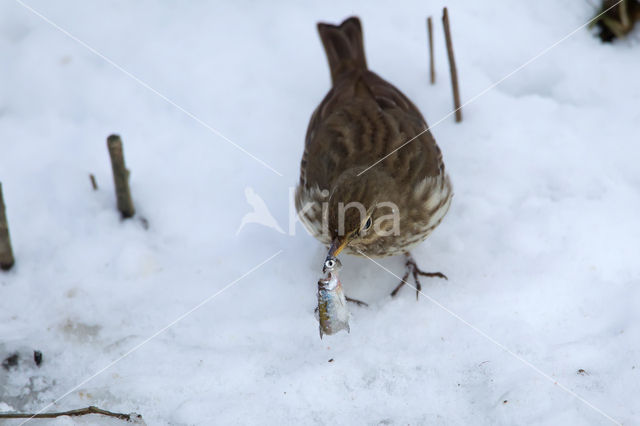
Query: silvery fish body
[{"x": 332, "y": 305}]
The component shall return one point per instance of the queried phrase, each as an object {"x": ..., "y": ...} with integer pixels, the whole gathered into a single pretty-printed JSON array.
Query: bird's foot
[
  {"x": 356, "y": 301},
  {"x": 413, "y": 269},
  {"x": 349, "y": 299}
]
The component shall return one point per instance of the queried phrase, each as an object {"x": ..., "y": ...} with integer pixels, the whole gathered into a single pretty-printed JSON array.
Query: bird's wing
[{"x": 362, "y": 119}]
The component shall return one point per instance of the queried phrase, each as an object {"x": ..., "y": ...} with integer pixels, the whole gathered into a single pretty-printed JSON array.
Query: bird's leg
[
  {"x": 403, "y": 281},
  {"x": 412, "y": 268},
  {"x": 356, "y": 301}
]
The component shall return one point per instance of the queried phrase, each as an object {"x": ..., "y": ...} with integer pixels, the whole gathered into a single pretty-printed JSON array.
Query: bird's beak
[
  {"x": 336, "y": 246},
  {"x": 331, "y": 262}
]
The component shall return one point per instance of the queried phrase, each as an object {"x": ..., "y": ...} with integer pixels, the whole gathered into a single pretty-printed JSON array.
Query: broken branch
[
  {"x": 6, "y": 253},
  {"x": 78, "y": 412},
  {"x": 432, "y": 71},
  {"x": 452, "y": 65},
  {"x": 120, "y": 176}
]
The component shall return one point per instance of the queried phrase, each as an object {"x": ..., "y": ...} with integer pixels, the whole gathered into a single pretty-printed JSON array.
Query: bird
[{"x": 366, "y": 188}]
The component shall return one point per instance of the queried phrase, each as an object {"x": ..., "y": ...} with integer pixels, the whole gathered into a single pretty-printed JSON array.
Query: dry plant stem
[
  {"x": 624, "y": 16},
  {"x": 432, "y": 71},
  {"x": 120, "y": 176},
  {"x": 78, "y": 412},
  {"x": 452, "y": 65},
  {"x": 94, "y": 184},
  {"x": 6, "y": 253}
]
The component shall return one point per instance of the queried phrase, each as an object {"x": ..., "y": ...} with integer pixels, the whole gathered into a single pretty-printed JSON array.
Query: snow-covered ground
[{"x": 541, "y": 246}]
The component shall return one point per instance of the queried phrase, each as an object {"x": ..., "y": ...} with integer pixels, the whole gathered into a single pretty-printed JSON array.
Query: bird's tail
[{"x": 344, "y": 46}]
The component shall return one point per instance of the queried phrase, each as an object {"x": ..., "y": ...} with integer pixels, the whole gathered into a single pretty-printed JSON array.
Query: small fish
[{"x": 332, "y": 304}]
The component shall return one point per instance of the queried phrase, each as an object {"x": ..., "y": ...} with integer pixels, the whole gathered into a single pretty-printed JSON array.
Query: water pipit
[{"x": 378, "y": 211}]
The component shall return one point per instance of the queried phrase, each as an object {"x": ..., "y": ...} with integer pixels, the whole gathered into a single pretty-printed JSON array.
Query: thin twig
[
  {"x": 6, "y": 253},
  {"x": 120, "y": 176},
  {"x": 78, "y": 412},
  {"x": 94, "y": 184},
  {"x": 432, "y": 70},
  {"x": 452, "y": 65},
  {"x": 624, "y": 16}
]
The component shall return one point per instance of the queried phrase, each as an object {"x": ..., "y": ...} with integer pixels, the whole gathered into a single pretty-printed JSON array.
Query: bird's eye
[{"x": 367, "y": 225}]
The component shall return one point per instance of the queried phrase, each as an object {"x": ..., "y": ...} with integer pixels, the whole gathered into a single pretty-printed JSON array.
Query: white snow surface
[{"x": 541, "y": 245}]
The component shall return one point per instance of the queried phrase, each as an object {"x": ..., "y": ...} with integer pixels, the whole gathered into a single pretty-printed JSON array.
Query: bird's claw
[
  {"x": 413, "y": 269},
  {"x": 357, "y": 302}
]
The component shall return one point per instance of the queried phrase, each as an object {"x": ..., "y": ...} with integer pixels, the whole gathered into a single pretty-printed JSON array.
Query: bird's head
[{"x": 359, "y": 208}]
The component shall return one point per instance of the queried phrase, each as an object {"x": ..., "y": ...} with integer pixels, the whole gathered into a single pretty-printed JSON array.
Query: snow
[{"x": 540, "y": 245}]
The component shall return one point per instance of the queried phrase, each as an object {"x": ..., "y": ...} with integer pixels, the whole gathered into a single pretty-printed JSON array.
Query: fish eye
[
  {"x": 367, "y": 225},
  {"x": 331, "y": 265}
]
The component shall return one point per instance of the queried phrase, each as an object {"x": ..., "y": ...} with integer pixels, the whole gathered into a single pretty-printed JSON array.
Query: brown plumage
[{"x": 362, "y": 119}]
